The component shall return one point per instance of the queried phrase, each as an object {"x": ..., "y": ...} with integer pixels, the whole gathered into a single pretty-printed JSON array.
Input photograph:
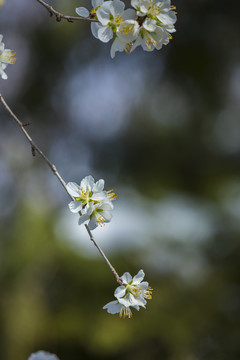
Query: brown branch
[
  {"x": 60, "y": 16},
  {"x": 35, "y": 149}
]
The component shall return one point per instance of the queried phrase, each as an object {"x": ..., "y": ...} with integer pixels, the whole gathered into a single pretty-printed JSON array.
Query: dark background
[{"x": 163, "y": 130}]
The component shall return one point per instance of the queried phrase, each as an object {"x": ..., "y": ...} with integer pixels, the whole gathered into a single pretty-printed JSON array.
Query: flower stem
[
  {"x": 60, "y": 16},
  {"x": 36, "y": 149}
]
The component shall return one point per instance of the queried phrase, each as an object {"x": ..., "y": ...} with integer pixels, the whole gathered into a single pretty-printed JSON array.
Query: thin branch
[
  {"x": 36, "y": 149},
  {"x": 60, "y": 16}
]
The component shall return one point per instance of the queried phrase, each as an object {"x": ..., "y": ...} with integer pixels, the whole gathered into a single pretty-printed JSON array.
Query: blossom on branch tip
[
  {"x": 6, "y": 57},
  {"x": 43, "y": 355},
  {"x": 132, "y": 293}
]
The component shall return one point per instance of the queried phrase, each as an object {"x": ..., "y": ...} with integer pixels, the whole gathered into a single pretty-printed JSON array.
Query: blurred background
[{"x": 163, "y": 130}]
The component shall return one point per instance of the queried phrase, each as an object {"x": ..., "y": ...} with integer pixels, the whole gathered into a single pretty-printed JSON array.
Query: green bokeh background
[{"x": 166, "y": 126}]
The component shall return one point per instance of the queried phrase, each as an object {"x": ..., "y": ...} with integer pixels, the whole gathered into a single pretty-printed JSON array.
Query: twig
[
  {"x": 34, "y": 149},
  {"x": 60, "y": 16}
]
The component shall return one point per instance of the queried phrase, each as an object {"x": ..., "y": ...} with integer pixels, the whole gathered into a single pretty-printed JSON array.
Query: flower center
[
  {"x": 118, "y": 20},
  {"x": 134, "y": 290},
  {"x": 8, "y": 57},
  {"x": 126, "y": 29},
  {"x": 85, "y": 195}
]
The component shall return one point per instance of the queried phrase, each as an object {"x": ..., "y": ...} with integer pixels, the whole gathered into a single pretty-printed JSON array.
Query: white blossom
[
  {"x": 97, "y": 214},
  {"x": 151, "y": 36},
  {"x": 132, "y": 293},
  {"x": 126, "y": 33},
  {"x": 43, "y": 355},
  {"x": 6, "y": 57},
  {"x": 88, "y": 191},
  {"x": 162, "y": 11},
  {"x": 158, "y": 23},
  {"x": 91, "y": 201},
  {"x": 117, "y": 24}
]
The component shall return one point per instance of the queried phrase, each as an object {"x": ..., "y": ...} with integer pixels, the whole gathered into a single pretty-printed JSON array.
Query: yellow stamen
[
  {"x": 8, "y": 57},
  {"x": 125, "y": 312},
  {"x": 128, "y": 48},
  {"x": 118, "y": 19},
  {"x": 150, "y": 43},
  {"x": 111, "y": 195},
  {"x": 148, "y": 293},
  {"x": 126, "y": 29},
  {"x": 100, "y": 221}
]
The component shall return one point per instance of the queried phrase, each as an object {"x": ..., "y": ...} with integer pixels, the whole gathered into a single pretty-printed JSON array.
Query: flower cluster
[
  {"x": 149, "y": 24},
  {"x": 42, "y": 355},
  {"x": 6, "y": 57},
  {"x": 91, "y": 202},
  {"x": 132, "y": 293}
]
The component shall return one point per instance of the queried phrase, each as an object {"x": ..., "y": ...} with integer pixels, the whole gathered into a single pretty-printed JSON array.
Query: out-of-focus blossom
[
  {"x": 42, "y": 355},
  {"x": 6, "y": 57}
]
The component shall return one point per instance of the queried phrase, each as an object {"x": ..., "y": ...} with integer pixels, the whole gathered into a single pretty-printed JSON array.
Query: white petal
[
  {"x": 117, "y": 7},
  {"x": 73, "y": 189},
  {"x": 133, "y": 300},
  {"x": 105, "y": 34},
  {"x": 82, "y": 11},
  {"x": 87, "y": 182},
  {"x": 119, "y": 292},
  {"x": 3, "y": 74},
  {"x": 103, "y": 16},
  {"x": 95, "y": 27},
  {"x": 106, "y": 215},
  {"x": 82, "y": 219},
  {"x": 113, "y": 307},
  {"x": 106, "y": 205},
  {"x": 43, "y": 355},
  {"x": 144, "y": 285},
  {"x": 99, "y": 186},
  {"x": 167, "y": 18},
  {"x": 96, "y": 3},
  {"x": 144, "y": 8},
  {"x": 138, "y": 278},
  {"x": 135, "y": 3},
  {"x": 75, "y": 206},
  {"x": 124, "y": 301},
  {"x": 137, "y": 43},
  {"x": 92, "y": 223},
  {"x": 129, "y": 14},
  {"x": 106, "y": 6},
  {"x": 100, "y": 196},
  {"x": 126, "y": 278},
  {"x": 149, "y": 24},
  {"x": 117, "y": 45}
]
